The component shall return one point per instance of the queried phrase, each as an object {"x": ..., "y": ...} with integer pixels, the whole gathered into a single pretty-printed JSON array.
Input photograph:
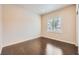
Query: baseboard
[
  {"x": 32, "y": 38},
  {"x": 59, "y": 40},
  {"x": 22, "y": 40}
]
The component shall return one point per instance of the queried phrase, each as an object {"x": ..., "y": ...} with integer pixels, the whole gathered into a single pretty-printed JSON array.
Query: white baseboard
[
  {"x": 22, "y": 40},
  {"x": 31, "y": 38},
  {"x": 60, "y": 40}
]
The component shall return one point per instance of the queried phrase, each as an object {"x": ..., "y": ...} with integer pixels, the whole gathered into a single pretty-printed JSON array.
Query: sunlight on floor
[{"x": 52, "y": 50}]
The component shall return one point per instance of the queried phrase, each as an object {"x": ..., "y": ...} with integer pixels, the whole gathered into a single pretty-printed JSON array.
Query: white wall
[
  {"x": 0, "y": 28},
  {"x": 77, "y": 27},
  {"x": 19, "y": 25},
  {"x": 78, "y": 32}
]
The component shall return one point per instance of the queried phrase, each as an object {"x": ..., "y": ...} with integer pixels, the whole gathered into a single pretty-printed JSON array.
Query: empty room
[{"x": 38, "y": 29}]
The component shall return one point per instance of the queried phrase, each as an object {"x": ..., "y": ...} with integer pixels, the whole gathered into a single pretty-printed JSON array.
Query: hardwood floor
[{"x": 41, "y": 46}]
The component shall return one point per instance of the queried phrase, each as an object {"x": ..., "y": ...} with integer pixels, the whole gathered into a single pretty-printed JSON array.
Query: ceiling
[{"x": 43, "y": 8}]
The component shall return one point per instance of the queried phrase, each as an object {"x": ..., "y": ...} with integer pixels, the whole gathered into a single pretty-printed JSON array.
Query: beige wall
[
  {"x": 22, "y": 25},
  {"x": 0, "y": 28},
  {"x": 77, "y": 27},
  {"x": 19, "y": 25},
  {"x": 68, "y": 16}
]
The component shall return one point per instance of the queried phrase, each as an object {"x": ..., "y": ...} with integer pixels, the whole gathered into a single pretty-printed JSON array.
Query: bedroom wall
[
  {"x": 0, "y": 28},
  {"x": 68, "y": 27},
  {"x": 19, "y": 25},
  {"x": 77, "y": 26}
]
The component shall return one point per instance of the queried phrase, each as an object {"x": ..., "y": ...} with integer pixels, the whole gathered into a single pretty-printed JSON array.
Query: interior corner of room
[{"x": 19, "y": 23}]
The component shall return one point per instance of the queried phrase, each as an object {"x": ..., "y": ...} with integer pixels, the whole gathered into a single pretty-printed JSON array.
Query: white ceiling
[{"x": 43, "y": 8}]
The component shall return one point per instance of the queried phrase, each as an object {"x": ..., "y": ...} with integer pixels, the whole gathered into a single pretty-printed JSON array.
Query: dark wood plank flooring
[{"x": 38, "y": 47}]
